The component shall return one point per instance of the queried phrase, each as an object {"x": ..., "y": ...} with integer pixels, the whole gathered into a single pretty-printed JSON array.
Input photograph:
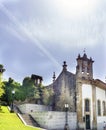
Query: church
[{"x": 84, "y": 95}]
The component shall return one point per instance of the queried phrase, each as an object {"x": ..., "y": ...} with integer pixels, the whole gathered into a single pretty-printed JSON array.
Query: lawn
[{"x": 10, "y": 121}]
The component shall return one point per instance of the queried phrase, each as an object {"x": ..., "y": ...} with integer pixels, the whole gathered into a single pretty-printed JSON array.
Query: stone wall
[
  {"x": 27, "y": 108},
  {"x": 53, "y": 120}
]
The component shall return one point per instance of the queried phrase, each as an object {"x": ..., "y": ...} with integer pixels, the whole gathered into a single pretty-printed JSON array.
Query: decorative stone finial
[
  {"x": 84, "y": 50},
  {"x": 54, "y": 76},
  {"x": 85, "y": 56},
  {"x": 64, "y": 66}
]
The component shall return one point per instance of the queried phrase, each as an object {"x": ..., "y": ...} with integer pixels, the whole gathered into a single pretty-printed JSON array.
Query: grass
[{"x": 10, "y": 121}]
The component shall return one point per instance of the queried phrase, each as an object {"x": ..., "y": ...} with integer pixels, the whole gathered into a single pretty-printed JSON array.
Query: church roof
[
  {"x": 65, "y": 77},
  {"x": 100, "y": 84}
]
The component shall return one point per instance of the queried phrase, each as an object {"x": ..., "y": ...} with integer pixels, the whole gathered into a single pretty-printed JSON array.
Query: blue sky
[{"x": 36, "y": 36}]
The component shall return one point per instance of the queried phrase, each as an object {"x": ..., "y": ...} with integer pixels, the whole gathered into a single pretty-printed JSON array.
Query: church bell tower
[
  {"x": 84, "y": 73},
  {"x": 84, "y": 67}
]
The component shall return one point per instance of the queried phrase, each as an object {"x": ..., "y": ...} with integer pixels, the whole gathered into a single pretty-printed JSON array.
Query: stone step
[
  {"x": 29, "y": 120},
  {"x": 17, "y": 110}
]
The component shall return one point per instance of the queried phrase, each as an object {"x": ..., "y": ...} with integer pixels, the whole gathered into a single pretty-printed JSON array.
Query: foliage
[
  {"x": 32, "y": 91},
  {"x": 1, "y": 83},
  {"x": 28, "y": 91},
  {"x": 1, "y": 89},
  {"x": 1, "y": 66},
  {"x": 38, "y": 93},
  {"x": 28, "y": 88},
  {"x": 47, "y": 96},
  {"x": 9, "y": 86},
  {"x": 1, "y": 92},
  {"x": 1, "y": 71}
]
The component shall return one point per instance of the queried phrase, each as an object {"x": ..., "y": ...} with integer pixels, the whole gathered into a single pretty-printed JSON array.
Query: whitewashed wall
[
  {"x": 100, "y": 95},
  {"x": 100, "y": 121},
  {"x": 87, "y": 94}
]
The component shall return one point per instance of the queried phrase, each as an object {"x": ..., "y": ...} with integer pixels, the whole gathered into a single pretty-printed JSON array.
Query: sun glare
[{"x": 75, "y": 7}]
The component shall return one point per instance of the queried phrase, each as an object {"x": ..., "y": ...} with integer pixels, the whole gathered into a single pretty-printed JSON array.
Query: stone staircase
[
  {"x": 29, "y": 120},
  {"x": 17, "y": 110}
]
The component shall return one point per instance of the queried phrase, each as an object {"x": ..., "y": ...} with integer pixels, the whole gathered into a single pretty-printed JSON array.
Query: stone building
[
  {"x": 37, "y": 79},
  {"x": 85, "y": 95}
]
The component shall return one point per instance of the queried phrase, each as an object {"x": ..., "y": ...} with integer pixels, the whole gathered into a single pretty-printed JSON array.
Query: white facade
[
  {"x": 101, "y": 96},
  {"x": 87, "y": 94}
]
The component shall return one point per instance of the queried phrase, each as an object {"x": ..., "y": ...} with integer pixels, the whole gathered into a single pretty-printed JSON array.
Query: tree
[
  {"x": 28, "y": 88},
  {"x": 33, "y": 93},
  {"x": 1, "y": 89},
  {"x": 47, "y": 96},
  {"x": 1, "y": 83},
  {"x": 1, "y": 92},
  {"x": 9, "y": 86},
  {"x": 39, "y": 93},
  {"x": 1, "y": 72}
]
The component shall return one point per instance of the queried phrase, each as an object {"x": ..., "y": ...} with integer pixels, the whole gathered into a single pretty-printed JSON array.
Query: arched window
[
  {"x": 104, "y": 108},
  {"x": 87, "y": 105},
  {"x": 99, "y": 107}
]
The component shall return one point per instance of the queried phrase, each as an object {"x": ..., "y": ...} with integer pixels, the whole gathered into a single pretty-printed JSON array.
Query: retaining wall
[
  {"x": 53, "y": 120},
  {"x": 27, "y": 108}
]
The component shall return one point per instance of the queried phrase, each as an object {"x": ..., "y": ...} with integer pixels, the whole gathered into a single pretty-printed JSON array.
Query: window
[
  {"x": 99, "y": 108},
  {"x": 87, "y": 104},
  {"x": 104, "y": 108},
  {"x": 83, "y": 68}
]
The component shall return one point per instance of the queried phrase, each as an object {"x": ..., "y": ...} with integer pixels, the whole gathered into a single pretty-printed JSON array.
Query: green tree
[
  {"x": 38, "y": 93},
  {"x": 1, "y": 89},
  {"x": 47, "y": 96},
  {"x": 28, "y": 88},
  {"x": 9, "y": 86},
  {"x": 1, "y": 72},
  {"x": 1, "y": 92},
  {"x": 1, "y": 83},
  {"x": 31, "y": 91}
]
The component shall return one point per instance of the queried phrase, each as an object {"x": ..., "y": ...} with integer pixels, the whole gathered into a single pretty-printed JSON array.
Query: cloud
[
  {"x": 7, "y": 1},
  {"x": 27, "y": 33},
  {"x": 49, "y": 23},
  {"x": 55, "y": 27},
  {"x": 75, "y": 8},
  {"x": 81, "y": 33},
  {"x": 14, "y": 32},
  {"x": 44, "y": 33}
]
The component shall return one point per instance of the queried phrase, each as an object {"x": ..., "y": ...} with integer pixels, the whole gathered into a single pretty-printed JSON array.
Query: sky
[{"x": 36, "y": 36}]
